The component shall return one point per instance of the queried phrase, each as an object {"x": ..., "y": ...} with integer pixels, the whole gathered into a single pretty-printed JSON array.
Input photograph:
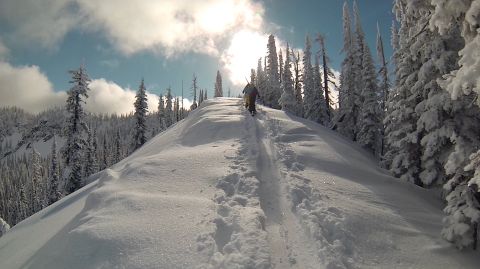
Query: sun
[{"x": 246, "y": 47}]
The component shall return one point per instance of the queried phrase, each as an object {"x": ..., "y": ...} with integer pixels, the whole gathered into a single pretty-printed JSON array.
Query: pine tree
[
  {"x": 272, "y": 93},
  {"x": 359, "y": 47},
  {"x": 319, "y": 104},
  {"x": 280, "y": 65},
  {"x": 23, "y": 209},
  {"x": 95, "y": 165},
  {"x": 161, "y": 112},
  {"x": 169, "y": 109},
  {"x": 4, "y": 227},
  {"x": 253, "y": 76},
  {"x": 218, "y": 85},
  {"x": 261, "y": 80},
  {"x": 177, "y": 109},
  {"x": 205, "y": 97},
  {"x": 368, "y": 135},
  {"x": 327, "y": 74},
  {"x": 37, "y": 178},
  {"x": 383, "y": 86},
  {"x": 118, "y": 147},
  {"x": 287, "y": 100},
  {"x": 105, "y": 160},
  {"x": 194, "y": 92},
  {"x": 297, "y": 83},
  {"x": 141, "y": 110},
  {"x": 74, "y": 149},
  {"x": 200, "y": 97},
  {"x": 91, "y": 166},
  {"x": 308, "y": 83},
  {"x": 463, "y": 199},
  {"x": 389, "y": 119},
  {"x": 402, "y": 138},
  {"x": 345, "y": 122},
  {"x": 55, "y": 191}
]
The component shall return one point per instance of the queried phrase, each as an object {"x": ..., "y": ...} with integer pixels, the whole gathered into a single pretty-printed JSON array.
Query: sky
[{"x": 163, "y": 41}]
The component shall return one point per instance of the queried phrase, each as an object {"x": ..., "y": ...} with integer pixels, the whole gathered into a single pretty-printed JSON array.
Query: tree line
[{"x": 424, "y": 125}]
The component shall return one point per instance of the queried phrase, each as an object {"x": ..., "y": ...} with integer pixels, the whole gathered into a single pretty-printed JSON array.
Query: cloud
[
  {"x": 28, "y": 88},
  {"x": 45, "y": 23},
  {"x": 108, "y": 97},
  {"x": 166, "y": 27}
]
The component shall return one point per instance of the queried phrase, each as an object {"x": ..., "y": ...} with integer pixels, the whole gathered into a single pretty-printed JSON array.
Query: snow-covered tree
[
  {"x": 327, "y": 75},
  {"x": 273, "y": 92},
  {"x": 280, "y": 65},
  {"x": 345, "y": 120},
  {"x": 194, "y": 92},
  {"x": 320, "y": 106},
  {"x": 463, "y": 80},
  {"x": 370, "y": 122},
  {"x": 253, "y": 76},
  {"x": 297, "y": 84},
  {"x": 117, "y": 156},
  {"x": 161, "y": 112},
  {"x": 54, "y": 188},
  {"x": 74, "y": 149},
  {"x": 106, "y": 153},
  {"x": 308, "y": 82},
  {"x": 383, "y": 86},
  {"x": 37, "y": 178},
  {"x": 91, "y": 165},
  {"x": 390, "y": 103},
  {"x": 287, "y": 100},
  {"x": 176, "y": 110},
  {"x": 141, "y": 110},
  {"x": 261, "y": 79},
  {"x": 463, "y": 199},
  {"x": 402, "y": 137},
  {"x": 169, "y": 108},
  {"x": 218, "y": 85},
  {"x": 4, "y": 227},
  {"x": 23, "y": 210}
]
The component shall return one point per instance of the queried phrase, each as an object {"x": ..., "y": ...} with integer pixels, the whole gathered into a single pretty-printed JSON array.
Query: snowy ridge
[{"x": 223, "y": 189}]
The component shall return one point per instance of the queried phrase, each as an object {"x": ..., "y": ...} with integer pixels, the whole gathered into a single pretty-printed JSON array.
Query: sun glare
[{"x": 246, "y": 47}]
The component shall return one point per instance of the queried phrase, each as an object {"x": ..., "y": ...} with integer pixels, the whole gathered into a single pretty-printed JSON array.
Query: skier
[
  {"x": 251, "y": 94},
  {"x": 246, "y": 93}
]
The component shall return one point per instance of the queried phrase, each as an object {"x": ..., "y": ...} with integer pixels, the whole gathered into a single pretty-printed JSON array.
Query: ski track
[
  {"x": 239, "y": 239},
  {"x": 268, "y": 215},
  {"x": 324, "y": 224},
  {"x": 289, "y": 246}
]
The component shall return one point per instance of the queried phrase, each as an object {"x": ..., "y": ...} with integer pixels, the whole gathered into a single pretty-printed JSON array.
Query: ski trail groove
[
  {"x": 320, "y": 220},
  {"x": 289, "y": 247},
  {"x": 239, "y": 239}
]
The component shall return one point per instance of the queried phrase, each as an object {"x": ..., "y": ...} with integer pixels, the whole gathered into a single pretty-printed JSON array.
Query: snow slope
[{"x": 222, "y": 189}]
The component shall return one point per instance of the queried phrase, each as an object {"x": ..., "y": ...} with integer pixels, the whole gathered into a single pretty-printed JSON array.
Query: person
[
  {"x": 246, "y": 94},
  {"x": 252, "y": 99}
]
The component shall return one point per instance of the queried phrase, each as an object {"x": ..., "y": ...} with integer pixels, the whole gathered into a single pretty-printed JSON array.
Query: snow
[{"x": 223, "y": 189}]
